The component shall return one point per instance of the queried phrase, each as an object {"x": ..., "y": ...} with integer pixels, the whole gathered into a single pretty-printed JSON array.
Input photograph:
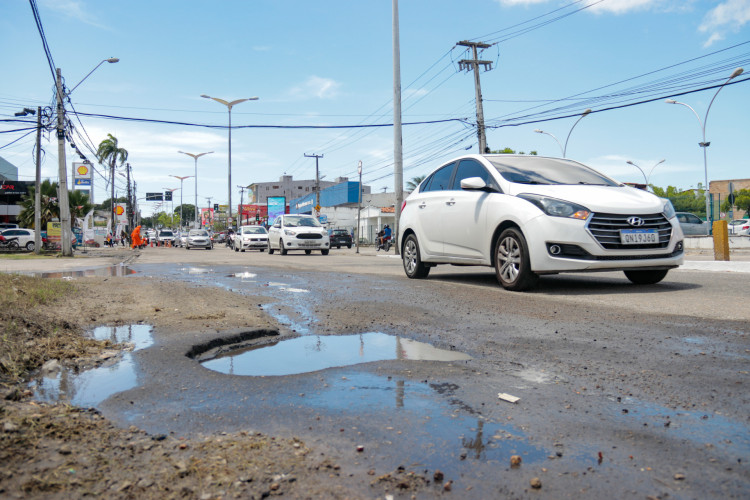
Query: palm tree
[
  {"x": 49, "y": 207},
  {"x": 110, "y": 153},
  {"x": 414, "y": 182},
  {"x": 79, "y": 204}
]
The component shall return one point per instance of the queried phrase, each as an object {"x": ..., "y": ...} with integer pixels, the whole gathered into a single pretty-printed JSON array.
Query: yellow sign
[
  {"x": 317, "y": 208},
  {"x": 83, "y": 170}
]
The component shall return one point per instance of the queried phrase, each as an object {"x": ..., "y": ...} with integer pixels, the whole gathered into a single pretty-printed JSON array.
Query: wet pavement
[{"x": 340, "y": 382}]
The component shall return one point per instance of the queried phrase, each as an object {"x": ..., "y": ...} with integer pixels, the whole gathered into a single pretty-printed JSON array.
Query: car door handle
[
  {"x": 422, "y": 205},
  {"x": 451, "y": 202}
]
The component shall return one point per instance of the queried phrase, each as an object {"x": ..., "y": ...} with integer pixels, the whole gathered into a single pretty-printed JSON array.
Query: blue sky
[{"x": 329, "y": 63}]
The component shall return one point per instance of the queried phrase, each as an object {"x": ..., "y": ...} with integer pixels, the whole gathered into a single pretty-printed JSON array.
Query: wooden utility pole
[
  {"x": 317, "y": 183},
  {"x": 469, "y": 64}
]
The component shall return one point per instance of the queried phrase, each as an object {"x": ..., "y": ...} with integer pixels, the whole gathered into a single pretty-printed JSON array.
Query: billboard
[
  {"x": 276, "y": 207},
  {"x": 83, "y": 177},
  {"x": 122, "y": 217},
  {"x": 207, "y": 217}
]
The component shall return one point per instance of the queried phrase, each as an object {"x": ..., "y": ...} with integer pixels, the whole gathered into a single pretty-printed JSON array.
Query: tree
[
  {"x": 741, "y": 201},
  {"x": 79, "y": 204},
  {"x": 690, "y": 200},
  {"x": 509, "y": 151},
  {"x": 110, "y": 153},
  {"x": 49, "y": 208},
  {"x": 107, "y": 204},
  {"x": 414, "y": 182}
]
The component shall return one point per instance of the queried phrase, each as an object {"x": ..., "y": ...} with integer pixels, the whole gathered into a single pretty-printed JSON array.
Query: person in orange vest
[{"x": 135, "y": 238}]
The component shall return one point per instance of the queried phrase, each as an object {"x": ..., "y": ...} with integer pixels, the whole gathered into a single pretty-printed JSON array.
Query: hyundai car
[{"x": 528, "y": 215}]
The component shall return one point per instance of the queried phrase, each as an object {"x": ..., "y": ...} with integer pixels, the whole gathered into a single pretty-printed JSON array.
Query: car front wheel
[
  {"x": 413, "y": 265},
  {"x": 270, "y": 248},
  {"x": 649, "y": 277},
  {"x": 324, "y": 252},
  {"x": 512, "y": 265},
  {"x": 282, "y": 250}
]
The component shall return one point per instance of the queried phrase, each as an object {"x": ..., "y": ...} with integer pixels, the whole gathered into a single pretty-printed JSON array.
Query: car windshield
[
  {"x": 198, "y": 232},
  {"x": 166, "y": 233},
  {"x": 294, "y": 221},
  {"x": 254, "y": 230},
  {"x": 539, "y": 170}
]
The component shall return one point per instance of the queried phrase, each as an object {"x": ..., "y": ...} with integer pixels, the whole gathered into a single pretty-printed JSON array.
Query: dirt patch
[{"x": 59, "y": 451}]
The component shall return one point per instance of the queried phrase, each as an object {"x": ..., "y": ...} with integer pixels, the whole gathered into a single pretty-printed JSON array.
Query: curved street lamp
[
  {"x": 539, "y": 131},
  {"x": 704, "y": 144},
  {"x": 583, "y": 115},
  {"x": 229, "y": 106},
  {"x": 646, "y": 177},
  {"x": 195, "y": 157}
]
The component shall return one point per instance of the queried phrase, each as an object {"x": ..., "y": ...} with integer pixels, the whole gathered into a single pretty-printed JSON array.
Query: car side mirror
[{"x": 474, "y": 184}]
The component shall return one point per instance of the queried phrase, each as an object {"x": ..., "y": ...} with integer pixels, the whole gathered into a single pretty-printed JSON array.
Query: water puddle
[
  {"x": 90, "y": 387},
  {"x": 312, "y": 353},
  {"x": 111, "y": 271}
]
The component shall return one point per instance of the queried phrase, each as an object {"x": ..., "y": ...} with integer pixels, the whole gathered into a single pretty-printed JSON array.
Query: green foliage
[
  {"x": 741, "y": 201},
  {"x": 690, "y": 200},
  {"x": 107, "y": 204},
  {"x": 414, "y": 182},
  {"x": 78, "y": 201},
  {"x": 509, "y": 151}
]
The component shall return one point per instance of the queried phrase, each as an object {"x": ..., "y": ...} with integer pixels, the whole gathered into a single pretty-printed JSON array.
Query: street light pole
[
  {"x": 704, "y": 144},
  {"x": 539, "y": 131},
  {"x": 229, "y": 106},
  {"x": 62, "y": 199},
  {"x": 182, "y": 209},
  {"x": 583, "y": 115},
  {"x": 645, "y": 177},
  {"x": 195, "y": 157},
  {"x": 359, "y": 204}
]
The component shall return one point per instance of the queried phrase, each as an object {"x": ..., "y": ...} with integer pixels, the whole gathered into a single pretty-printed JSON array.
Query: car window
[
  {"x": 440, "y": 180},
  {"x": 277, "y": 222},
  {"x": 539, "y": 170},
  {"x": 692, "y": 219},
  {"x": 682, "y": 218},
  {"x": 471, "y": 168}
]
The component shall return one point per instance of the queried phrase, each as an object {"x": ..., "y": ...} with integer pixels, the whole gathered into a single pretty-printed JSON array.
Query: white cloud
[
  {"x": 729, "y": 16},
  {"x": 73, "y": 9},
  {"x": 315, "y": 86}
]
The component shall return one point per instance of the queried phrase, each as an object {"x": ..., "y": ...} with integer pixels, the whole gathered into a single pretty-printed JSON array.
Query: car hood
[
  {"x": 307, "y": 229},
  {"x": 608, "y": 199}
]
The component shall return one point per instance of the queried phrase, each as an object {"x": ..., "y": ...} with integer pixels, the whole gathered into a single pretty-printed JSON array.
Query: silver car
[
  {"x": 691, "y": 224},
  {"x": 250, "y": 238},
  {"x": 199, "y": 238}
]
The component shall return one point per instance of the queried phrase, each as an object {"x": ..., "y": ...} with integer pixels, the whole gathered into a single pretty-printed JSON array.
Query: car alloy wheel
[
  {"x": 413, "y": 265},
  {"x": 512, "y": 266},
  {"x": 30, "y": 246},
  {"x": 282, "y": 250}
]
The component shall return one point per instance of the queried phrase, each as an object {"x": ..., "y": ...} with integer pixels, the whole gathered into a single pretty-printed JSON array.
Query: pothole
[
  {"x": 311, "y": 353},
  {"x": 117, "y": 271}
]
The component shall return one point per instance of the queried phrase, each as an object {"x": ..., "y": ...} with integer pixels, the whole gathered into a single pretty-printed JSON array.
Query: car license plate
[{"x": 638, "y": 236}]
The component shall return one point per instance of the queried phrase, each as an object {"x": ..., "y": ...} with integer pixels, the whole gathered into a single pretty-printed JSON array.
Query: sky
[{"x": 323, "y": 75}]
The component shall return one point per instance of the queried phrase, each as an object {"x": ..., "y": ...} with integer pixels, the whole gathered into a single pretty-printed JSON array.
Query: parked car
[
  {"x": 24, "y": 238},
  {"x": 199, "y": 238},
  {"x": 250, "y": 238},
  {"x": 166, "y": 236},
  {"x": 7, "y": 225},
  {"x": 340, "y": 237},
  {"x": 531, "y": 215},
  {"x": 691, "y": 224},
  {"x": 739, "y": 227},
  {"x": 298, "y": 232}
]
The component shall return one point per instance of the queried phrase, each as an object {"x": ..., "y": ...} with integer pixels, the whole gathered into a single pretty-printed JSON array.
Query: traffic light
[
  {"x": 167, "y": 195},
  {"x": 257, "y": 217},
  {"x": 216, "y": 207}
]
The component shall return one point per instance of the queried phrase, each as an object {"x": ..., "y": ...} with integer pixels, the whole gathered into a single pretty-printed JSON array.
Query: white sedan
[
  {"x": 531, "y": 215},
  {"x": 23, "y": 237},
  {"x": 250, "y": 238},
  {"x": 298, "y": 232}
]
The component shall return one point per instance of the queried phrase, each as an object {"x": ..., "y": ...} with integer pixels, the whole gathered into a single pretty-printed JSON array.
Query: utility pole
[
  {"x": 469, "y": 64},
  {"x": 129, "y": 204},
  {"x": 62, "y": 197},
  {"x": 242, "y": 201},
  {"x": 38, "y": 185},
  {"x": 398, "y": 153},
  {"x": 209, "y": 209},
  {"x": 317, "y": 183}
]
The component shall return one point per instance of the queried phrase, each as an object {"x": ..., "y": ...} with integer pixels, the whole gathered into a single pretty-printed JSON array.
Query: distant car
[
  {"x": 180, "y": 241},
  {"x": 199, "y": 238},
  {"x": 739, "y": 227},
  {"x": 151, "y": 236},
  {"x": 24, "y": 238},
  {"x": 340, "y": 237},
  {"x": 250, "y": 238},
  {"x": 165, "y": 236},
  {"x": 529, "y": 215},
  {"x": 298, "y": 232},
  {"x": 7, "y": 225},
  {"x": 691, "y": 224},
  {"x": 220, "y": 237}
]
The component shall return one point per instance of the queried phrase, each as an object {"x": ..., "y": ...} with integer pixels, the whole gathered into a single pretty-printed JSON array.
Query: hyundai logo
[{"x": 636, "y": 221}]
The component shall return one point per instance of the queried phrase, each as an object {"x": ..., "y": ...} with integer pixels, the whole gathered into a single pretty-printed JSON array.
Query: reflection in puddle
[
  {"x": 245, "y": 275},
  {"x": 117, "y": 271},
  {"x": 91, "y": 387},
  {"x": 312, "y": 353}
]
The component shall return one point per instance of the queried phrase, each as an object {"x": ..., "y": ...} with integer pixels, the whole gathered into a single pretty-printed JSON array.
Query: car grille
[
  {"x": 309, "y": 236},
  {"x": 606, "y": 229}
]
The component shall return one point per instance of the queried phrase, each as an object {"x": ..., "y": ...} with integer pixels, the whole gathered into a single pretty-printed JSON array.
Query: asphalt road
[{"x": 625, "y": 391}]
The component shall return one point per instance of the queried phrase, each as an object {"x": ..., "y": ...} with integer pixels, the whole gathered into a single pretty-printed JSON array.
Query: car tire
[
  {"x": 30, "y": 246},
  {"x": 646, "y": 277},
  {"x": 349, "y": 247},
  {"x": 235, "y": 249},
  {"x": 270, "y": 248},
  {"x": 413, "y": 265},
  {"x": 282, "y": 250},
  {"x": 324, "y": 252},
  {"x": 512, "y": 264},
  {"x": 308, "y": 252}
]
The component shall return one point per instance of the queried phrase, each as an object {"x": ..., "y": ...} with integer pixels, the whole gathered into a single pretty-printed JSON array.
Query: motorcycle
[
  {"x": 8, "y": 243},
  {"x": 385, "y": 243}
]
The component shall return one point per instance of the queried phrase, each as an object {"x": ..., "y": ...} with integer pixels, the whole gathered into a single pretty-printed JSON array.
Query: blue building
[{"x": 343, "y": 193}]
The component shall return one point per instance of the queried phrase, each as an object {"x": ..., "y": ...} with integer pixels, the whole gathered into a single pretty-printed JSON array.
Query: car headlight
[
  {"x": 289, "y": 232},
  {"x": 668, "y": 209},
  {"x": 557, "y": 208}
]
